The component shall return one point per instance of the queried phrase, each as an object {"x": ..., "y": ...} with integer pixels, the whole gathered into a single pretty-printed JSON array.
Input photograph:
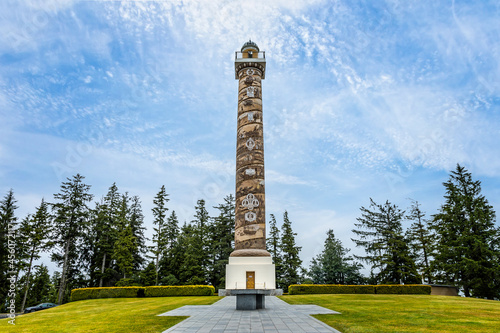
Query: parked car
[{"x": 38, "y": 307}]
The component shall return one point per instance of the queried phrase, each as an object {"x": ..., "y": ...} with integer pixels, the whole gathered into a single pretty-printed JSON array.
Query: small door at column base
[{"x": 250, "y": 280}]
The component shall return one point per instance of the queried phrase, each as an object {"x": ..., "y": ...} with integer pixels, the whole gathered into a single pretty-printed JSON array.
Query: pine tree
[
  {"x": 333, "y": 266},
  {"x": 8, "y": 225},
  {"x": 136, "y": 221},
  {"x": 468, "y": 252},
  {"x": 100, "y": 239},
  {"x": 189, "y": 252},
  {"x": 39, "y": 287},
  {"x": 273, "y": 244},
  {"x": 55, "y": 280},
  {"x": 381, "y": 234},
  {"x": 291, "y": 261},
  {"x": 221, "y": 238},
  {"x": 123, "y": 249},
  {"x": 200, "y": 237},
  {"x": 105, "y": 229},
  {"x": 170, "y": 263},
  {"x": 160, "y": 215},
  {"x": 148, "y": 275},
  {"x": 70, "y": 222},
  {"x": 421, "y": 240},
  {"x": 35, "y": 232}
]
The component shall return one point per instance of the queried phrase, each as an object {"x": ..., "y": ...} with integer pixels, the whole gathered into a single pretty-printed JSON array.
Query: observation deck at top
[{"x": 250, "y": 56}]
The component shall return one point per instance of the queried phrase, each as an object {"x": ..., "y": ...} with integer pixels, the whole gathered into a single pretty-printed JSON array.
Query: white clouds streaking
[{"x": 360, "y": 99}]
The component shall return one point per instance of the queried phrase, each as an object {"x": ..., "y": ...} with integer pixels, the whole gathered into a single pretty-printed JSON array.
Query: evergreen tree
[
  {"x": 70, "y": 221},
  {"x": 198, "y": 247},
  {"x": 468, "y": 250},
  {"x": 39, "y": 287},
  {"x": 136, "y": 221},
  {"x": 8, "y": 224},
  {"x": 190, "y": 252},
  {"x": 148, "y": 275},
  {"x": 159, "y": 240},
  {"x": 100, "y": 239},
  {"x": 35, "y": 232},
  {"x": 273, "y": 244},
  {"x": 221, "y": 238},
  {"x": 421, "y": 240},
  {"x": 170, "y": 263},
  {"x": 55, "y": 280},
  {"x": 123, "y": 249},
  {"x": 106, "y": 232},
  {"x": 381, "y": 234},
  {"x": 333, "y": 266},
  {"x": 290, "y": 251}
]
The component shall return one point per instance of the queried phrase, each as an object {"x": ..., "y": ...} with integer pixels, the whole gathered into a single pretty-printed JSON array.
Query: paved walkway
[{"x": 222, "y": 316}]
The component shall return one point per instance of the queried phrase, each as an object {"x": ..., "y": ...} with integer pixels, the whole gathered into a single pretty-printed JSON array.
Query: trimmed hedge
[
  {"x": 162, "y": 291},
  {"x": 106, "y": 292},
  {"x": 407, "y": 289},
  {"x": 153, "y": 291},
  {"x": 302, "y": 289}
]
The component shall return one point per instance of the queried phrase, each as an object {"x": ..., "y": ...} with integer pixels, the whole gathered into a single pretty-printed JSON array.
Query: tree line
[
  {"x": 103, "y": 244},
  {"x": 459, "y": 245}
]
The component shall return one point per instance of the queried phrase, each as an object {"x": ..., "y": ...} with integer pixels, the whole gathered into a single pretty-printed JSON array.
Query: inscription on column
[
  {"x": 251, "y": 91},
  {"x": 250, "y": 216},
  {"x": 250, "y": 201},
  {"x": 250, "y": 172},
  {"x": 250, "y": 144}
]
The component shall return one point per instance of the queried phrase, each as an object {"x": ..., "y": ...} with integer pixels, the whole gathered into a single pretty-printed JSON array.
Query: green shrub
[
  {"x": 161, "y": 291},
  {"x": 297, "y": 289},
  {"x": 301, "y": 289},
  {"x": 105, "y": 292},
  {"x": 407, "y": 289}
]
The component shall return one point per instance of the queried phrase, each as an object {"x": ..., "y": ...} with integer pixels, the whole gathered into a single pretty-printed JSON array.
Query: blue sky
[{"x": 361, "y": 99}]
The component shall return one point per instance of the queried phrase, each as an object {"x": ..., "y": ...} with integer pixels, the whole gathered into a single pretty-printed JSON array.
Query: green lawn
[
  {"x": 106, "y": 315},
  {"x": 360, "y": 313},
  {"x": 405, "y": 313}
]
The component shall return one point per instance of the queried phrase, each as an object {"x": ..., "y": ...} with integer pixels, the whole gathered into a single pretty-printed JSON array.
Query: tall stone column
[
  {"x": 250, "y": 266},
  {"x": 250, "y": 228}
]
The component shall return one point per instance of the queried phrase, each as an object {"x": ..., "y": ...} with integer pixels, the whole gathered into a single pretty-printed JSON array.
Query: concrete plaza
[{"x": 222, "y": 317}]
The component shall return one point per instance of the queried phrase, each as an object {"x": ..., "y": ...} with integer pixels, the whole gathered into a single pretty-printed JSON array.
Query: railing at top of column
[{"x": 259, "y": 55}]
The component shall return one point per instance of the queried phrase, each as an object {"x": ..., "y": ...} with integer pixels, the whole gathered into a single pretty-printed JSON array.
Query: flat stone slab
[
  {"x": 234, "y": 292},
  {"x": 277, "y": 317}
]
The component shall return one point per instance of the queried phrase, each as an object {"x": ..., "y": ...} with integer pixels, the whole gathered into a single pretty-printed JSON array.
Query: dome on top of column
[{"x": 249, "y": 45}]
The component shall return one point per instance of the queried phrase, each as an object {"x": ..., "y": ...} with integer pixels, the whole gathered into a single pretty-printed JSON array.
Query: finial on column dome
[{"x": 249, "y": 44}]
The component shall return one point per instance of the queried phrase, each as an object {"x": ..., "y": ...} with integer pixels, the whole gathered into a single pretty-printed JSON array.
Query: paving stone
[{"x": 277, "y": 317}]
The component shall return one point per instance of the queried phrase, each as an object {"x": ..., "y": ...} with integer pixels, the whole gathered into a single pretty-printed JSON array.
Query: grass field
[
  {"x": 106, "y": 315},
  {"x": 360, "y": 313},
  {"x": 405, "y": 313}
]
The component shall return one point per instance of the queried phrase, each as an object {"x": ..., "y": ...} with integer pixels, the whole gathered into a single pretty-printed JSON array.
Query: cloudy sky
[{"x": 361, "y": 99}]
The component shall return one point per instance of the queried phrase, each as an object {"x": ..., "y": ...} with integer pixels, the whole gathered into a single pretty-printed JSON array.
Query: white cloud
[
  {"x": 273, "y": 176},
  {"x": 354, "y": 95}
]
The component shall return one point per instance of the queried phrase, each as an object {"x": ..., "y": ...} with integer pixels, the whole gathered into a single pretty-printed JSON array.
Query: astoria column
[
  {"x": 250, "y": 228},
  {"x": 250, "y": 265}
]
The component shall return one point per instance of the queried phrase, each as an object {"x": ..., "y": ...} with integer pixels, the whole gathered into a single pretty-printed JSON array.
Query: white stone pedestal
[{"x": 236, "y": 272}]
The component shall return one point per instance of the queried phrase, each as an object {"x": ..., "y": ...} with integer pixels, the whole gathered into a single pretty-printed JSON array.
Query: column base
[{"x": 263, "y": 268}]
